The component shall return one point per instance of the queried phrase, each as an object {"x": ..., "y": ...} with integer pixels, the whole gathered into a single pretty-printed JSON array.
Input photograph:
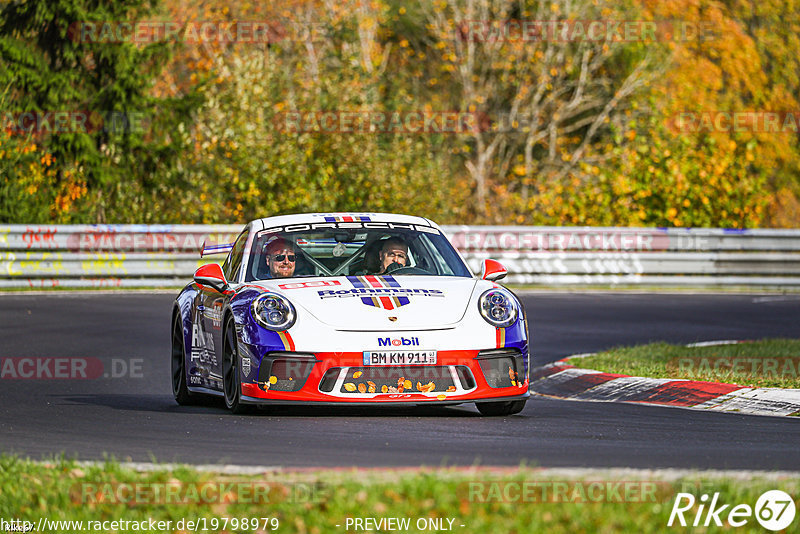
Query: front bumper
[{"x": 342, "y": 378}]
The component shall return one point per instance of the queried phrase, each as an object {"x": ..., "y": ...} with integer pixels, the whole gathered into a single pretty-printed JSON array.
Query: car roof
[{"x": 301, "y": 218}]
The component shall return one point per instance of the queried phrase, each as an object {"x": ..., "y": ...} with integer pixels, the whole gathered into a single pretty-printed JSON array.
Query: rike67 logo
[{"x": 774, "y": 510}]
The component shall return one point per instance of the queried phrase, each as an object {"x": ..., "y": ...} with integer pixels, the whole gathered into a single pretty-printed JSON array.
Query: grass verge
[
  {"x": 316, "y": 502},
  {"x": 765, "y": 363}
]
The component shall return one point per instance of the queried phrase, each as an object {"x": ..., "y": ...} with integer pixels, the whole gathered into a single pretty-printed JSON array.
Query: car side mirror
[
  {"x": 493, "y": 270},
  {"x": 211, "y": 275}
]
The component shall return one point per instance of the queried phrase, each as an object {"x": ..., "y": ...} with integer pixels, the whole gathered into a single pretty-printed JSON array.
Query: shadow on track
[{"x": 214, "y": 406}]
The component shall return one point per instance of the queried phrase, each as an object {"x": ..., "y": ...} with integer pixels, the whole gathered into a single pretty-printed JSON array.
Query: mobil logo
[{"x": 398, "y": 342}]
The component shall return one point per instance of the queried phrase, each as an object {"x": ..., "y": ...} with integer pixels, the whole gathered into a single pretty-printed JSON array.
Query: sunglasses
[{"x": 281, "y": 257}]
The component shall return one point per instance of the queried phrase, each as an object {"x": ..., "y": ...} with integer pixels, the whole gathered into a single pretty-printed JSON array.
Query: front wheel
[
  {"x": 179, "y": 389},
  {"x": 501, "y": 408},
  {"x": 231, "y": 381}
]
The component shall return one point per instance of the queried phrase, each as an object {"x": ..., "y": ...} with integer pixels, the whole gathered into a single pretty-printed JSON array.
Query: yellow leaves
[
  {"x": 671, "y": 213},
  {"x": 76, "y": 190},
  {"x": 519, "y": 170},
  {"x": 362, "y": 388},
  {"x": 349, "y": 386},
  {"x": 273, "y": 379},
  {"x": 426, "y": 388},
  {"x": 357, "y": 374},
  {"x": 407, "y": 384}
]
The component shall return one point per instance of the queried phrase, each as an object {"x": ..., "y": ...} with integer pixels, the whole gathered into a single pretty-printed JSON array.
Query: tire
[
  {"x": 231, "y": 382},
  {"x": 501, "y": 408},
  {"x": 179, "y": 389}
]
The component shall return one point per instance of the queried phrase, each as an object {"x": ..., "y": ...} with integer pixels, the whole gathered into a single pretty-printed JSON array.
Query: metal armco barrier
[
  {"x": 42, "y": 256},
  {"x": 111, "y": 256}
]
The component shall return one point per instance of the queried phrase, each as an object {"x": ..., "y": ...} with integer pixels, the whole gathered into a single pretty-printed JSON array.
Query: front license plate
[{"x": 403, "y": 357}]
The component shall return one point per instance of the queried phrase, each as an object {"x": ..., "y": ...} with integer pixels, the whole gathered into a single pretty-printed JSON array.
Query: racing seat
[{"x": 371, "y": 263}]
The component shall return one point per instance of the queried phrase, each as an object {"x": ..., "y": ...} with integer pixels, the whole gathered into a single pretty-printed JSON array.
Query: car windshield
[{"x": 391, "y": 249}]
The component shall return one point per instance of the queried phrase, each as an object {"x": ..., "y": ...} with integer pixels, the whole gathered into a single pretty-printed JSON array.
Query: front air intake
[
  {"x": 285, "y": 371},
  {"x": 502, "y": 368}
]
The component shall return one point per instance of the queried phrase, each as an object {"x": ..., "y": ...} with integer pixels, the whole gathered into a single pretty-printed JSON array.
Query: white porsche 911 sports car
[{"x": 348, "y": 308}]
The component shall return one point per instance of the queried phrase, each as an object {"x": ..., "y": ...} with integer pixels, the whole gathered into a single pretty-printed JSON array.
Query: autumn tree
[
  {"x": 548, "y": 92},
  {"x": 120, "y": 154}
]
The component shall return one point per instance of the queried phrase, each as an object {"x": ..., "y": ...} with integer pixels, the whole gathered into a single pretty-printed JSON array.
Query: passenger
[{"x": 281, "y": 258}]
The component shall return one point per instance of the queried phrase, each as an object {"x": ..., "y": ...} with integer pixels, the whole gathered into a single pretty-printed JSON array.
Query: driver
[
  {"x": 281, "y": 258},
  {"x": 393, "y": 255}
]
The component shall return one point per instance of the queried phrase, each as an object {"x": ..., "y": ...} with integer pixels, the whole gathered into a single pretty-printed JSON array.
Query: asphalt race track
[{"x": 132, "y": 416}]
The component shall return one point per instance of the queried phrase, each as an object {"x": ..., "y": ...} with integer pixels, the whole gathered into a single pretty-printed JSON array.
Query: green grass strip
[
  {"x": 503, "y": 501},
  {"x": 766, "y": 363}
]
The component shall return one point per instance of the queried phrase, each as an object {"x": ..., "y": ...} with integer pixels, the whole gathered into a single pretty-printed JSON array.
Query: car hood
[{"x": 375, "y": 303}]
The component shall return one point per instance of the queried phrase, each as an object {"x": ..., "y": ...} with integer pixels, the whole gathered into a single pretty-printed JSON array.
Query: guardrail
[
  {"x": 113, "y": 256},
  {"x": 45, "y": 256}
]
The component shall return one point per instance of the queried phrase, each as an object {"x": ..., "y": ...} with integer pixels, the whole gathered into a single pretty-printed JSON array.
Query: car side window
[{"x": 234, "y": 260}]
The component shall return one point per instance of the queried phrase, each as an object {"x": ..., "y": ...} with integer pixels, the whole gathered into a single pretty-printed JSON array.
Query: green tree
[
  {"x": 119, "y": 155},
  {"x": 251, "y": 163}
]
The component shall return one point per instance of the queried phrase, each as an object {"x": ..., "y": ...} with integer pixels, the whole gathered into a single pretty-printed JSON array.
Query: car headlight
[
  {"x": 498, "y": 307},
  {"x": 273, "y": 312}
]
